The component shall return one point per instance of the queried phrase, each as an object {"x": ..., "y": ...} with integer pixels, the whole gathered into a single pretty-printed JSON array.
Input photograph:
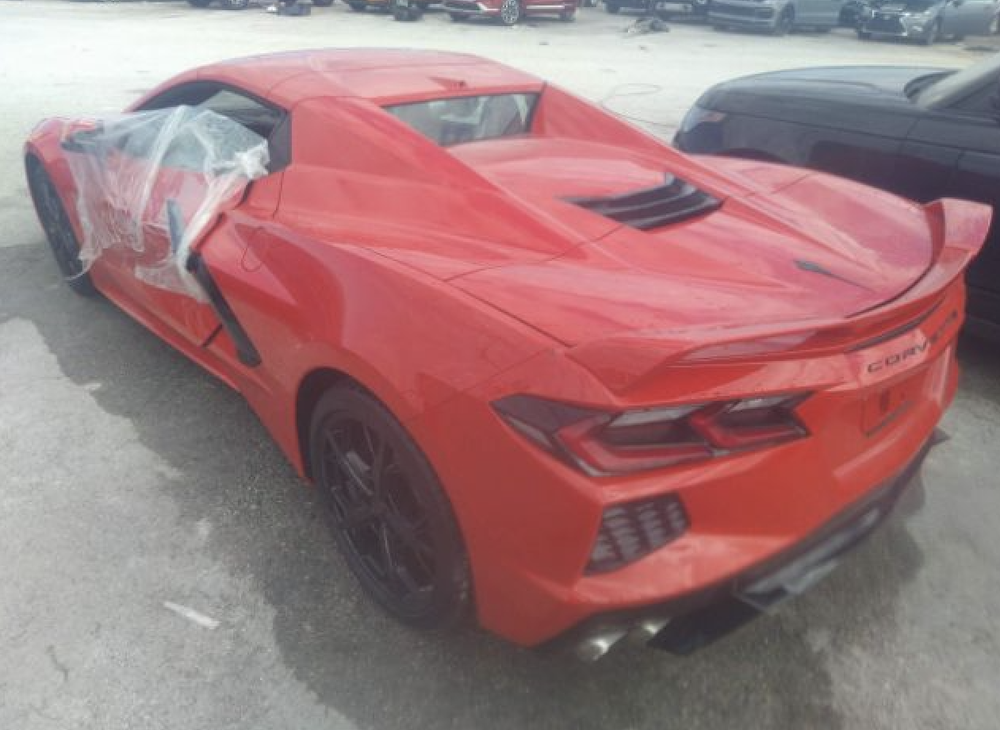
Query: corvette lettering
[{"x": 913, "y": 350}]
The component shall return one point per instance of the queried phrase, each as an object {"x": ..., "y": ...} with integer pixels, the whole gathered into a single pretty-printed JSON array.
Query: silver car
[
  {"x": 928, "y": 20},
  {"x": 775, "y": 16}
]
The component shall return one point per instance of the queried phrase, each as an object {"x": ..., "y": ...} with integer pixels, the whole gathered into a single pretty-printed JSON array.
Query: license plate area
[{"x": 888, "y": 403}]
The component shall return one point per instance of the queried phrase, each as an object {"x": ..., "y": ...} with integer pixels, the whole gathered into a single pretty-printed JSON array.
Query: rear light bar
[{"x": 603, "y": 443}]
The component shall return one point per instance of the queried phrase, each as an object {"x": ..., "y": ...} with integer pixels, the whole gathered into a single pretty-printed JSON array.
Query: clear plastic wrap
[{"x": 150, "y": 183}]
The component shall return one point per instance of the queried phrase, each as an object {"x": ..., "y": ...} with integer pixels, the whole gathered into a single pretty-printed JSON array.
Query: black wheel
[
  {"x": 403, "y": 11},
  {"x": 785, "y": 22},
  {"x": 933, "y": 33},
  {"x": 200, "y": 3},
  {"x": 58, "y": 229},
  {"x": 612, "y": 8},
  {"x": 510, "y": 12},
  {"x": 357, "y": 7},
  {"x": 458, "y": 17},
  {"x": 389, "y": 515}
]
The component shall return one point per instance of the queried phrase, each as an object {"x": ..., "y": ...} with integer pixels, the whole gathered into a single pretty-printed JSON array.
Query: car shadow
[{"x": 773, "y": 673}]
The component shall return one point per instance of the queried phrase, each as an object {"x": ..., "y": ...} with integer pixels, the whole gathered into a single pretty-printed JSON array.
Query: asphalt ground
[{"x": 131, "y": 479}]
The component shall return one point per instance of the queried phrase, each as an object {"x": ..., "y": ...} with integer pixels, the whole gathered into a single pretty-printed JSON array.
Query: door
[
  {"x": 191, "y": 170},
  {"x": 979, "y": 16}
]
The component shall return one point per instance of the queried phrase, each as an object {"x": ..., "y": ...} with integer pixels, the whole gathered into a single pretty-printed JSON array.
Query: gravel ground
[{"x": 133, "y": 480}]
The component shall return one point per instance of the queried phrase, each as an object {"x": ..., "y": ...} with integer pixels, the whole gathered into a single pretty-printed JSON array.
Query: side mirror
[{"x": 82, "y": 140}]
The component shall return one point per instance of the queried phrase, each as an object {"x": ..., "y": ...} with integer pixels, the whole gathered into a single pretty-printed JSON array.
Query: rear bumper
[
  {"x": 469, "y": 7},
  {"x": 748, "y": 14},
  {"x": 700, "y": 618}
]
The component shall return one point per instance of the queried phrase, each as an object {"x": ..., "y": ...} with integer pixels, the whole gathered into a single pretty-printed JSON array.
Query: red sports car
[
  {"x": 539, "y": 364},
  {"x": 510, "y": 12}
]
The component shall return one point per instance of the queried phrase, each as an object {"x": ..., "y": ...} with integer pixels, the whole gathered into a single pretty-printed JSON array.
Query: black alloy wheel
[
  {"x": 58, "y": 229},
  {"x": 388, "y": 513},
  {"x": 403, "y": 10},
  {"x": 933, "y": 33},
  {"x": 510, "y": 12},
  {"x": 785, "y": 22}
]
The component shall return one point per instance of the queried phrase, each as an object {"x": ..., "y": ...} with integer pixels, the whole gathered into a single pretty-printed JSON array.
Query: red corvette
[{"x": 537, "y": 362}]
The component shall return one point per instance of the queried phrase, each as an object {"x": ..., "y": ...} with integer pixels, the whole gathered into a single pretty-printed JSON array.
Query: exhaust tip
[
  {"x": 644, "y": 631},
  {"x": 597, "y": 645}
]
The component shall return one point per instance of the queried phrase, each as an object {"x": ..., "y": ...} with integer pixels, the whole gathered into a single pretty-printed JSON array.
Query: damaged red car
[{"x": 541, "y": 367}]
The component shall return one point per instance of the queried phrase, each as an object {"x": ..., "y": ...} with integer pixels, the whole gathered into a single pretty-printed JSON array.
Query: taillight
[{"x": 601, "y": 443}]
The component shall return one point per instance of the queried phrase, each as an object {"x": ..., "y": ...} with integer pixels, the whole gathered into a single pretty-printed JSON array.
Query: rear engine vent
[
  {"x": 674, "y": 201},
  {"x": 629, "y": 531}
]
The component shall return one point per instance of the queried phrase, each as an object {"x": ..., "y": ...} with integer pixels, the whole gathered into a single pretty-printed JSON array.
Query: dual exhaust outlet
[{"x": 597, "y": 643}]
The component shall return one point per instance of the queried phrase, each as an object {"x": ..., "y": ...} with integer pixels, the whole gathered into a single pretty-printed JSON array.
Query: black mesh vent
[
  {"x": 629, "y": 531},
  {"x": 674, "y": 201}
]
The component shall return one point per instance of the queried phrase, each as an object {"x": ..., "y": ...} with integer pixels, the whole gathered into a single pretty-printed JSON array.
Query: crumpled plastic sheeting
[{"x": 142, "y": 174}]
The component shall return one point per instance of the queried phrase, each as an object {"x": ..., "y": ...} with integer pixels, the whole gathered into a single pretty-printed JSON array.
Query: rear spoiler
[{"x": 958, "y": 230}]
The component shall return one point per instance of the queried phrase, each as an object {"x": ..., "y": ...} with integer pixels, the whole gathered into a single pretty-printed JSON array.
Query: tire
[
  {"x": 404, "y": 12},
  {"x": 322, "y": 3},
  {"x": 58, "y": 229},
  {"x": 357, "y": 7},
  {"x": 785, "y": 22},
  {"x": 199, "y": 3},
  {"x": 933, "y": 33},
  {"x": 388, "y": 513},
  {"x": 510, "y": 12},
  {"x": 612, "y": 8},
  {"x": 458, "y": 17}
]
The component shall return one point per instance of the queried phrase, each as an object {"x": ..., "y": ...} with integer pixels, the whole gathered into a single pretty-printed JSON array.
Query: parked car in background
[
  {"x": 509, "y": 12},
  {"x": 241, "y": 4},
  {"x": 662, "y": 8},
  {"x": 851, "y": 12},
  {"x": 923, "y": 133},
  {"x": 928, "y": 20},
  {"x": 775, "y": 16}
]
